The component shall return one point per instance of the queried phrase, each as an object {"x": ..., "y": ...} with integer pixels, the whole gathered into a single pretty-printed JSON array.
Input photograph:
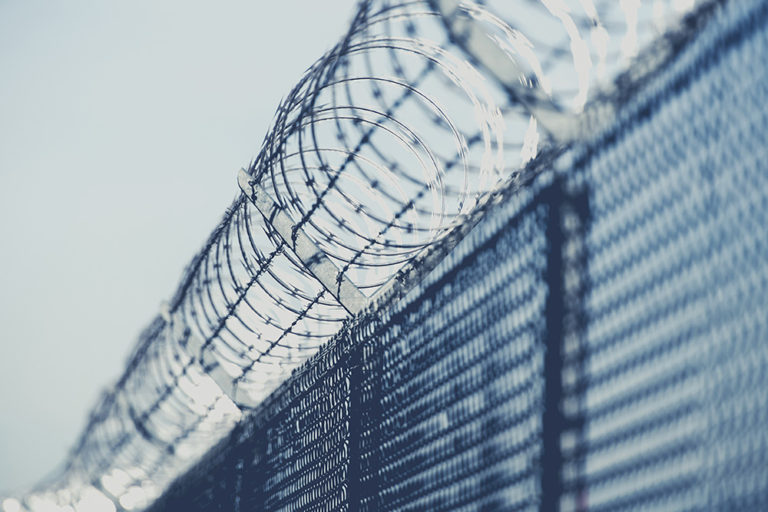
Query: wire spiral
[{"x": 384, "y": 145}]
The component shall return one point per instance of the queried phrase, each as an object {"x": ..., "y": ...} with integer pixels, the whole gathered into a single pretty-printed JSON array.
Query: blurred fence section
[{"x": 534, "y": 272}]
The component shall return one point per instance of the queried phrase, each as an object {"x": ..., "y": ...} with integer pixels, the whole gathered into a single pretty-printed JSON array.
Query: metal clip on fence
[
  {"x": 316, "y": 261},
  {"x": 562, "y": 125}
]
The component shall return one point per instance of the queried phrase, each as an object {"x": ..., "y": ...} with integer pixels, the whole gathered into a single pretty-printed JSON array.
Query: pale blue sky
[{"x": 122, "y": 127}]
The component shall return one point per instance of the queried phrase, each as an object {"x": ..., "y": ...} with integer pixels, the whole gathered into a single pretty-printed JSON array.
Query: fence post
[{"x": 567, "y": 224}]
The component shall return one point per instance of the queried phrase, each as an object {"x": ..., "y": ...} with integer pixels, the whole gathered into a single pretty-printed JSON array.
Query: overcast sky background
[{"x": 122, "y": 127}]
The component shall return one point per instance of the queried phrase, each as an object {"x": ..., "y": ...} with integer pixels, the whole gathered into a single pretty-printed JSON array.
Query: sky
[{"x": 122, "y": 128}]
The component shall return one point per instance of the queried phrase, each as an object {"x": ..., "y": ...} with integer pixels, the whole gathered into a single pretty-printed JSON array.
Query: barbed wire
[{"x": 385, "y": 145}]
